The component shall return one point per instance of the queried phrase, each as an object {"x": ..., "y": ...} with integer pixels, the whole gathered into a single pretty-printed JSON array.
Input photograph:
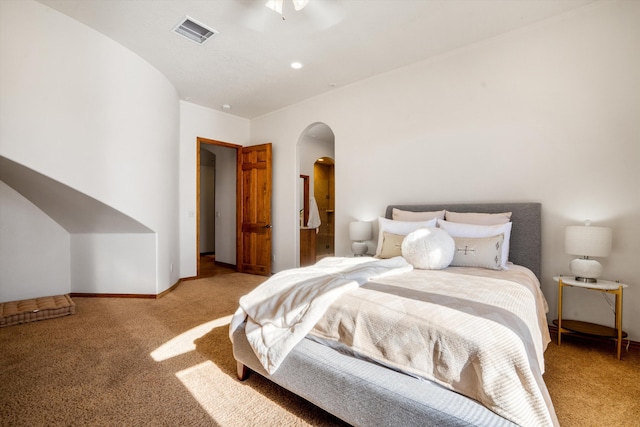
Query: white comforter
[{"x": 281, "y": 311}]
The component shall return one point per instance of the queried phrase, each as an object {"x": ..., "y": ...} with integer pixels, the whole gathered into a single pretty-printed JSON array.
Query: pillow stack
[{"x": 472, "y": 239}]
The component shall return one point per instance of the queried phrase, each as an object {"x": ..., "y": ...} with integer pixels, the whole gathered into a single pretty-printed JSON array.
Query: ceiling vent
[{"x": 194, "y": 30}]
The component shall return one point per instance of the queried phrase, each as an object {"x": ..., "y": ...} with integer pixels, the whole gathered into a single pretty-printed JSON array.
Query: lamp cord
[{"x": 613, "y": 309}]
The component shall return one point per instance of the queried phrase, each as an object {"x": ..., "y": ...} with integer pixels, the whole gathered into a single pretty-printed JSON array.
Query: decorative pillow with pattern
[
  {"x": 472, "y": 230},
  {"x": 483, "y": 252}
]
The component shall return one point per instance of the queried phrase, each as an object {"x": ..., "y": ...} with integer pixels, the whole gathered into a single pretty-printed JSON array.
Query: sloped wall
[{"x": 83, "y": 110}]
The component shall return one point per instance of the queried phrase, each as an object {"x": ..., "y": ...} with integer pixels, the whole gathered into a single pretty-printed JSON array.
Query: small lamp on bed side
[
  {"x": 587, "y": 241},
  {"x": 359, "y": 232}
]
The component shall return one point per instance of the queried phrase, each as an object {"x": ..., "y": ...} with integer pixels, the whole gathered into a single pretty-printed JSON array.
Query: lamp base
[
  {"x": 586, "y": 270},
  {"x": 586, "y": 279},
  {"x": 359, "y": 248}
]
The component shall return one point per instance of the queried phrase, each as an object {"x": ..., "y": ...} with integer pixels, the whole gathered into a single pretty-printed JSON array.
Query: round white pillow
[{"x": 428, "y": 248}]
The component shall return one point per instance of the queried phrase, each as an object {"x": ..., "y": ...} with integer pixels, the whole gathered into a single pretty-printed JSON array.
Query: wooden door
[{"x": 254, "y": 210}]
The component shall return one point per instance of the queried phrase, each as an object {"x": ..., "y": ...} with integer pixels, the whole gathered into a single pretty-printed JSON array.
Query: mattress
[{"x": 30, "y": 310}]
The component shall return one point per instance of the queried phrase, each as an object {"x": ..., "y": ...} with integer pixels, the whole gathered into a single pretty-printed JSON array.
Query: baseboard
[
  {"x": 96, "y": 295},
  {"x": 144, "y": 296},
  {"x": 626, "y": 343},
  {"x": 166, "y": 291}
]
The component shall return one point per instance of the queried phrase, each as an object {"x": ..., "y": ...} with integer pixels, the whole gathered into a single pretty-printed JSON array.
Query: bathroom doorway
[{"x": 316, "y": 160}]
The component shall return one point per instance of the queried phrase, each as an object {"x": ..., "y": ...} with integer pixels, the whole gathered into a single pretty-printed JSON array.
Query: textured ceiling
[{"x": 338, "y": 41}]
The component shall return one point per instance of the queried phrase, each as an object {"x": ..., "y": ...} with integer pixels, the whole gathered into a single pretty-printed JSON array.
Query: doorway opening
[
  {"x": 242, "y": 213},
  {"x": 216, "y": 174}
]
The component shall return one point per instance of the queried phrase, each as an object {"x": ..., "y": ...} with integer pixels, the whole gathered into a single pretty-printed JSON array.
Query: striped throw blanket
[{"x": 481, "y": 333}]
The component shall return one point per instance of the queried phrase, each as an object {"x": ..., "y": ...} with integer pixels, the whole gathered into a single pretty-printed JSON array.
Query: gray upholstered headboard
[{"x": 525, "y": 246}]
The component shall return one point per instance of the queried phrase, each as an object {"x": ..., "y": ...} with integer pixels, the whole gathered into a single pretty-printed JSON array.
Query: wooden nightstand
[{"x": 586, "y": 328}]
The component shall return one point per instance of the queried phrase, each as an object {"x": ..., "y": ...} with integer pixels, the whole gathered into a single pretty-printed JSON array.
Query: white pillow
[
  {"x": 428, "y": 248},
  {"x": 472, "y": 230},
  {"x": 400, "y": 215},
  {"x": 401, "y": 228}
]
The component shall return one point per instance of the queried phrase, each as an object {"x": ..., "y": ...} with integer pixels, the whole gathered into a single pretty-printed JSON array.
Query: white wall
[
  {"x": 83, "y": 110},
  {"x": 207, "y": 201},
  {"x": 197, "y": 121},
  {"x": 34, "y": 250},
  {"x": 547, "y": 114},
  {"x": 113, "y": 263}
]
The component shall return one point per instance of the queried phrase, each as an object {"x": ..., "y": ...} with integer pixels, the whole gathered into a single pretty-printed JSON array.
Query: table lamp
[
  {"x": 587, "y": 241},
  {"x": 359, "y": 232}
]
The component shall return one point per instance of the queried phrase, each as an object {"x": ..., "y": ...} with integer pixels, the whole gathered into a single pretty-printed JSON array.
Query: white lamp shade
[
  {"x": 587, "y": 241},
  {"x": 360, "y": 231}
]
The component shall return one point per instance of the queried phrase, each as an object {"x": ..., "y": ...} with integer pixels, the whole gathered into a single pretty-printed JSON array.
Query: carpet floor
[{"x": 168, "y": 362}]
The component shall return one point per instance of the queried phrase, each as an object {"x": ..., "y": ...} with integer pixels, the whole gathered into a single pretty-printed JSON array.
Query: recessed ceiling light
[
  {"x": 194, "y": 30},
  {"x": 226, "y": 107},
  {"x": 296, "y": 65}
]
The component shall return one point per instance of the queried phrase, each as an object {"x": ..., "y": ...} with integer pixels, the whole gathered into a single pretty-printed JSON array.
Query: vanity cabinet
[{"x": 307, "y": 246}]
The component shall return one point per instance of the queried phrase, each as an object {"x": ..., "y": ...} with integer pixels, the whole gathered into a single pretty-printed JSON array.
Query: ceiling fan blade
[
  {"x": 275, "y": 5},
  {"x": 299, "y": 4}
]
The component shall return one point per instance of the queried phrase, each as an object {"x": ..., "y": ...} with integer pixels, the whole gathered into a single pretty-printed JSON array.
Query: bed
[{"x": 367, "y": 389}]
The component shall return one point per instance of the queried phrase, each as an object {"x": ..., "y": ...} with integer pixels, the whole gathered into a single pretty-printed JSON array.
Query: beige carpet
[{"x": 168, "y": 362}]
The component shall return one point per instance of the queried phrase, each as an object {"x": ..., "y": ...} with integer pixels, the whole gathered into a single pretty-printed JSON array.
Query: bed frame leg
[{"x": 242, "y": 371}]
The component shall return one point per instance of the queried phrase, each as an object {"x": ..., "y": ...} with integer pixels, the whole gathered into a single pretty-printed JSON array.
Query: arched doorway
[{"x": 317, "y": 229}]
